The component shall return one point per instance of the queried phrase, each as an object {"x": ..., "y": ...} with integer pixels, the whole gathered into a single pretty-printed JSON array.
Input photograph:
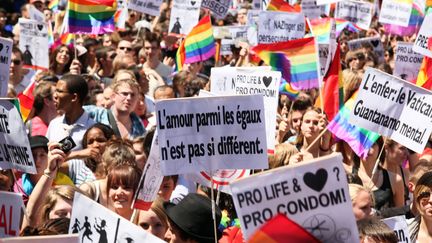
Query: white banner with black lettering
[
  {"x": 150, "y": 7},
  {"x": 321, "y": 2},
  {"x": 407, "y": 62},
  {"x": 219, "y": 8},
  {"x": 395, "y": 12},
  {"x": 247, "y": 81},
  {"x": 5, "y": 63},
  {"x": 399, "y": 225},
  {"x": 393, "y": 108},
  {"x": 276, "y": 26},
  {"x": 374, "y": 42},
  {"x": 425, "y": 32},
  {"x": 314, "y": 194},
  {"x": 360, "y": 13},
  {"x": 312, "y": 10},
  {"x": 184, "y": 16},
  {"x": 209, "y": 133},
  {"x": 33, "y": 42},
  {"x": 11, "y": 205},
  {"x": 15, "y": 151}
]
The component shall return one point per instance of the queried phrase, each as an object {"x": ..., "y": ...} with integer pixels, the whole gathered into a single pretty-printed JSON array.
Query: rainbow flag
[
  {"x": 280, "y": 229},
  {"x": 302, "y": 55},
  {"x": 53, "y": 5},
  {"x": 91, "y": 16},
  {"x": 286, "y": 89},
  {"x": 424, "y": 78},
  {"x": 50, "y": 35},
  {"x": 199, "y": 44},
  {"x": 321, "y": 28},
  {"x": 281, "y": 5},
  {"x": 332, "y": 91},
  {"x": 359, "y": 139},
  {"x": 26, "y": 100},
  {"x": 415, "y": 21}
]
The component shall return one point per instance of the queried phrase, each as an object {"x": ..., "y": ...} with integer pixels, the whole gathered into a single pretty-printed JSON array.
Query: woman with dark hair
[
  {"x": 420, "y": 228},
  {"x": 61, "y": 60}
]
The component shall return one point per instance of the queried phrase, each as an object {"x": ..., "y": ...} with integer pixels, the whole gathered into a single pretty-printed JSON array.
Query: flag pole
[
  {"x": 316, "y": 139},
  {"x": 75, "y": 49},
  {"x": 375, "y": 168},
  {"x": 213, "y": 207}
]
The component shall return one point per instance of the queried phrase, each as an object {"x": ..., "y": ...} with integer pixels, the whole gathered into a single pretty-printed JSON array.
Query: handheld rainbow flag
[
  {"x": 286, "y": 89},
  {"x": 359, "y": 139},
  {"x": 199, "y": 44},
  {"x": 321, "y": 28},
  {"x": 302, "y": 55},
  {"x": 26, "y": 100},
  {"x": 53, "y": 5},
  {"x": 90, "y": 16},
  {"x": 281, "y": 5},
  {"x": 424, "y": 78},
  {"x": 281, "y": 229}
]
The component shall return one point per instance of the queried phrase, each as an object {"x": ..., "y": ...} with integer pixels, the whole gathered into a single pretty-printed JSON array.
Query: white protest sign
[
  {"x": 11, "y": 205},
  {"x": 425, "y": 32},
  {"x": 238, "y": 81},
  {"x": 314, "y": 194},
  {"x": 395, "y": 12},
  {"x": 209, "y": 133},
  {"x": 219, "y": 8},
  {"x": 376, "y": 43},
  {"x": 321, "y": 2},
  {"x": 150, "y": 7},
  {"x": 5, "y": 62},
  {"x": 151, "y": 178},
  {"x": 393, "y": 108},
  {"x": 312, "y": 10},
  {"x": 226, "y": 46},
  {"x": 238, "y": 32},
  {"x": 15, "y": 151},
  {"x": 324, "y": 57},
  {"x": 33, "y": 43},
  {"x": 96, "y": 223},
  {"x": 407, "y": 62},
  {"x": 276, "y": 26},
  {"x": 43, "y": 239},
  {"x": 399, "y": 225},
  {"x": 184, "y": 16},
  {"x": 35, "y": 14},
  {"x": 359, "y": 13},
  {"x": 221, "y": 178}
]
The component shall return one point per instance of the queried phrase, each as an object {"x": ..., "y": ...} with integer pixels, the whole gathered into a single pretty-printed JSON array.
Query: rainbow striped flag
[
  {"x": 321, "y": 28},
  {"x": 91, "y": 16},
  {"x": 286, "y": 89},
  {"x": 26, "y": 100},
  {"x": 302, "y": 55},
  {"x": 424, "y": 78},
  {"x": 53, "y": 5},
  {"x": 281, "y": 229},
  {"x": 415, "y": 21},
  {"x": 359, "y": 139},
  {"x": 199, "y": 44},
  {"x": 281, "y": 5}
]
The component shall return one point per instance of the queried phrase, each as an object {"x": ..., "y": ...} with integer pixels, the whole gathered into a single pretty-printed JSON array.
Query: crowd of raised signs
[{"x": 97, "y": 106}]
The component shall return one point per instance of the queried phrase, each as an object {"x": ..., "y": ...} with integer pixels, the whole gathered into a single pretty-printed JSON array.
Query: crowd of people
[{"x": 104, "y": 95}]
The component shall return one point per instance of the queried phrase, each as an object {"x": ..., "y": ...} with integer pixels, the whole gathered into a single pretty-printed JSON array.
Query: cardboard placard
[
  {"x": 209, "y": 133},
  {"x": 395, "y": 12},
  {"x": 5, "y": 62},
  {"x": 359, "y": 13},
  {"x": 425, "y": 32},
  {"x": 407, "y": 62},
  {"x": 276, "y": 26},
  {"x": 184, "y": 16},
  {"x": 219, "y": 8},
  {"x": 393, "y": 108},
  {"x": 314, "y": 194},
  {"x": 151, "y": 7},
  {"x": 11, "y": 205},
  {"x": 33, "y": 42},
  {"x": 312, "y": 10}
]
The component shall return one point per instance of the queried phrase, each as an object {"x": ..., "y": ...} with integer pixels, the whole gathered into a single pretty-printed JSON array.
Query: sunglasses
[
  {"x": 16, "y": 62},
  {"x": 125, "y": 48}
]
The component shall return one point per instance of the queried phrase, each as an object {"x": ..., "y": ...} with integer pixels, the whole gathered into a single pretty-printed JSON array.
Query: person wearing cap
[
  {"x": 26, "y": 183},
  {"x": 191, "y": 220}
]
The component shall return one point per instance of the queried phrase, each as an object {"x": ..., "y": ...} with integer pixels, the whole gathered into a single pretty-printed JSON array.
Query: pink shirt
[{"x": 38, "y": 127}]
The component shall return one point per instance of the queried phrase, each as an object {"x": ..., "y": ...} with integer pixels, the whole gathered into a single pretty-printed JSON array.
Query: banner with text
[
  {"x": 15, "y": 151},
  {"x": 33, "y": 43},
  {"x": 394, "y": 108},
  {"x": 151, "y": 7},
  {"x": 276, "y": 26},
  {"x": 11, "y": 205},
  {"x": 321, "y": 2},
  {"x": 374, "y": 42},
  {"x": 314, "y": 194},
  {"x": 5, "y": 62},
  {"x": 399, "y": 225},
  {"x": 407, "y": 62},
  {"x": 219, "y": 8},
  {"x": 209, "y": 133},
  {"x": 240, "y": 81},
  {"x": 395, "y": 12},
  {"x": 184, "y": 16},
  {"x": 425, "y": 32},
  {"x": 312, "y": 10},
  {"x": 359, "y": 13}
]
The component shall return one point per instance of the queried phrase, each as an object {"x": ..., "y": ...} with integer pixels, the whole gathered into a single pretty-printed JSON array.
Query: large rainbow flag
[
  {"x": 199, "y": 44},
  {"x": 283, "y": 6},
  {"x": 303, "y": 58},
  {"x": 359, "y": 139},
  {"x": 91, "y": 16}
]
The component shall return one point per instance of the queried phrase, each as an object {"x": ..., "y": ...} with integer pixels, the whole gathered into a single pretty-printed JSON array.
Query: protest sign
[
  {"x": 425, "y": 32},
  {"x": 219, "y": 8},
  {"x": 11, "y": 205},
  {"x": 33, "y": 42},
  {"x": 73, "y": 238},
  {"x": 150, "y": 7},
  {"x": 238, "y": 32},
  {"x": 399, "y": 225},
  {"x": 407, "y": 62},
  {"x": 5, "y": 62},
  {"x": 94, "y": 222},
  {"x": 221, "y": 178},
  {"x": 226, "y": 46},
  {"x": 276, "y": 26},
  {"x": 359, "y": 13},
  {"x": 393, "y": 108},
  {"x": 314, "y": 194},
  {"x": 324, "y": 57},
  {"x": 321, "y": 2},
  {"x": 151, "y": 178},
  {"x": 35, "y": 14},
  {"x": 395, "y": 12},
  {"x": 209, "y": 133},
  {"x": 184, "y": 16},
  {"x": 240, "y": 81},
  {"x": 312, "y": 10},
  {"x": 374, "y": 42},
  {"x": 15, "y": 151}
]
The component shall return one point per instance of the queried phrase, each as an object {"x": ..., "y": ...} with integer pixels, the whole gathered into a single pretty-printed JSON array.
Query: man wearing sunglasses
[
  {"x": 124, "y": 47},
  {"x": 19, "y": 77}
]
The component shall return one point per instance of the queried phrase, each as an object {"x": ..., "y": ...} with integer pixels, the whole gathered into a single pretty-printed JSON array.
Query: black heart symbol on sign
[
  {"x": 375, "y": 43},
  {"x": 40, "y": 27},
  {"x": 267, "y": 81},
  {"x": 1, "y": 47},
  {"x": 193, "y": 3},
  {"x": 316, "y": 181}
]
